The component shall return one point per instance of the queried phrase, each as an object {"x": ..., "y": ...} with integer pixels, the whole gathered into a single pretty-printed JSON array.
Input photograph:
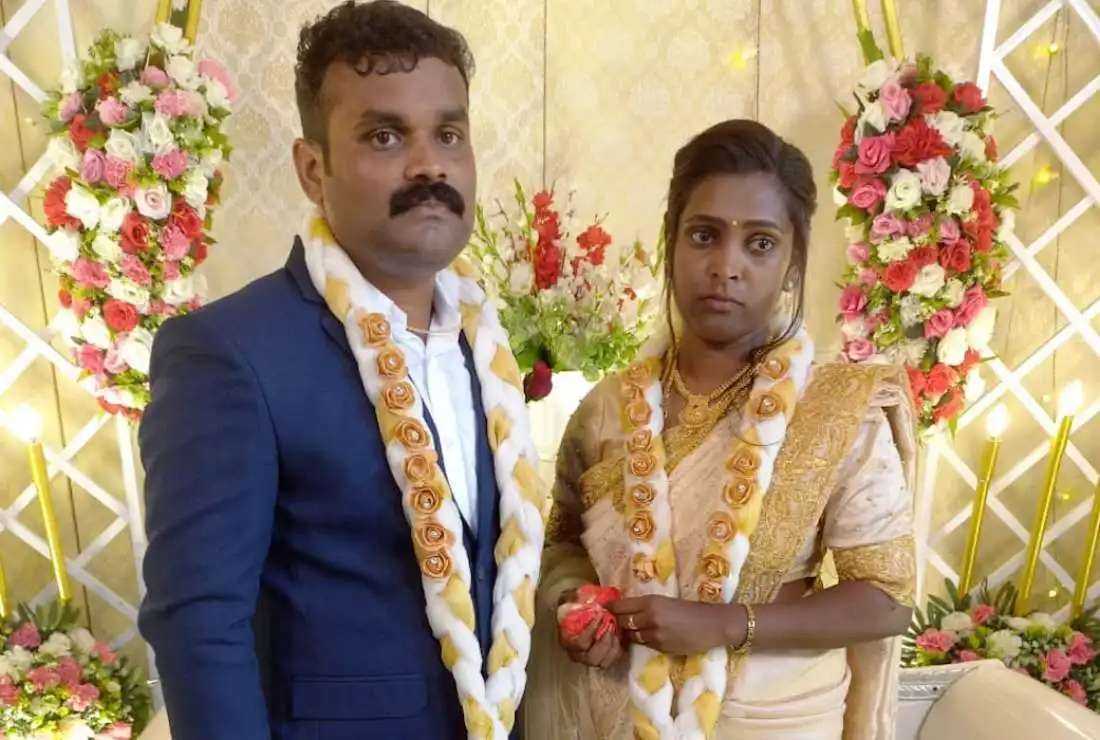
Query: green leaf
[{"x": 870, "y": 49}]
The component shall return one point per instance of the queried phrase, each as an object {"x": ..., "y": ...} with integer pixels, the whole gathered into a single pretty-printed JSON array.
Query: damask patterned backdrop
[{"x": 597, "y": 96}]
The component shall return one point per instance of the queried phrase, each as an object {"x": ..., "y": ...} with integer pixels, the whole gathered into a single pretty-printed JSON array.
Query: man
[{"x": 305, "y": 431}]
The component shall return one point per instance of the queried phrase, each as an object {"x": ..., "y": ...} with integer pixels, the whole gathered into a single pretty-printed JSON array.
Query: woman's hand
[
  {"x": 587, "y": 649},
  {"x": 678, "y": 626}
]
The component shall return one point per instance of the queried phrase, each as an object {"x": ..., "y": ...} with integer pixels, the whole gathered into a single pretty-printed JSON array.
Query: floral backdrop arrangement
[
  {"x": 968, "y": 627},
  {"x": 928, "y": 211},
  {"x": 568, "y": 298},
  {"x": 137, "y": 129},
  {"x": 57, "y": 681}
]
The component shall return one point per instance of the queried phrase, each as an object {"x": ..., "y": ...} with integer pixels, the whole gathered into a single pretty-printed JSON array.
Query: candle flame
[
  {"x": 25, "y": 423},
  {"x": 1071, "y": 398},
  {"x": 997, "y": 421}
]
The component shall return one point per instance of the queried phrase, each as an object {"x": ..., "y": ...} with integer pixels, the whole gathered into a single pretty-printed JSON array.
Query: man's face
[{"x": 399, "y": 180}]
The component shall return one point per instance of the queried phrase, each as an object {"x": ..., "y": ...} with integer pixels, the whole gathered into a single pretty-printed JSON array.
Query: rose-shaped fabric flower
[
  {"x": 436, "y": 565},
  {"x": 715, "y": 566},
  {"x": 766, "y": 405},
  {"x": 643, "y": 567},
  {"x": 641, "y": 440},
  {"x": 420, "y": 468},
  {"x": 710, "y": 592},
  {"x": 737, "y": 492},
  {"x": 412, "y": 434},
  {"x": 721, "y": 527},
  {"x": 642, "y": 494},
  {"x": 375, "y": 329},
  {"x": 641, "y": 526},
  {"x": 642, "y": 464},
  {"x": 391, "y": 363},
  {"x": 430, "y": 536},
  {"x": 399, "y": 395},
  {"x": 638, "y": 412},
  {"x": 744, "y": 460},
  {"x": 426, "y": 499}
]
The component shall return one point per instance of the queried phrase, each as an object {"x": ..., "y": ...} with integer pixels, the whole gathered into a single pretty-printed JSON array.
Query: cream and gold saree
[{"x": 841, "y": 486}]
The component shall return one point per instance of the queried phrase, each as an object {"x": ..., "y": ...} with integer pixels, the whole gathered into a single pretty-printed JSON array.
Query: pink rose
[
  {"x": 112, "y": 361},
  {"x": 90, "y": 273},
  {"x": 858, "y": 350},
  {"x": 25, "y": 637},
  {"x": 116, "y": 171},
  {"x": 93, "y": 166},
  {"x": 69, "y": 671},
  {"x": 175, "y": 242},
  {"x": 9, "y": 692},
  {"x": 70, "y": 106},
  {"x": 1080, "y": 650},
  {"x": 982, "y": 613},
  {"x": 886, "y": 225},
  {"x": 154, "y": 77},
  {"x": 112, "y": 111},
  {"x": 868, "y": 277},
  {"x": 974, "y": 301},
  {"x": 935, "y": 641},
  {"x": 172, "y": 103},
  {"x": 133, "y": 268},
  {"x": 81, "y": 306},
  {"x": 1057, "y": 666},
  {"x": 919, "y": 227},
  {"x": 106, "y": 655},
  {"x": 868, "y": 193},
  {"x": 43, "y": 678},
  {"x": 853, "y": 302},
  {"x": 968, "y": 656},
  {"x": 90, "y": 358},
  {"x": 895, "y": 99},
  {"x": 858, "y": 253},
  {"x": 1074, "y": 690},
  {"x": 119, "y": 731},
  {"x": 949, "y": 231},
  {"x": 939, "y": 323},
  {"x": 215, "y": 71},
  {"x": 83, "y": 697},
  {"x": 874, "y": 154},
  {"x": 171, "y": 270},
  {"x": 171, "y": 164}
]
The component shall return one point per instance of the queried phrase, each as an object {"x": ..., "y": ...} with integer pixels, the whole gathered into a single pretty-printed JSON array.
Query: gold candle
[
  {"x": 1084, "y": 575},
  {"x": 1068, "y": 403},
  {"x": 996, "y": 424},
  {"x": 27, "y": 425},
  {"x": 893, "y": 28},
  {"x": 5, "y": 608},
  {"x": 191, "y": 24}
]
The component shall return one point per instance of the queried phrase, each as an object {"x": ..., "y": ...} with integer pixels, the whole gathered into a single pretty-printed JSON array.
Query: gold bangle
[{"x": 750, "y": 631}]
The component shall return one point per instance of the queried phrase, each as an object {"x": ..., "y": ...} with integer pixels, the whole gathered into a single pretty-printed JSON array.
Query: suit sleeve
[{"x": 209, "y": 452}]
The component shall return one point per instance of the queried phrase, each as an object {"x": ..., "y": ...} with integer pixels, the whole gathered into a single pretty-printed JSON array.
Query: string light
[
  {"x": 1042, "y": 52},
  {"x": 1044, "y": 176},
  {"x": 738, "y": 59}
]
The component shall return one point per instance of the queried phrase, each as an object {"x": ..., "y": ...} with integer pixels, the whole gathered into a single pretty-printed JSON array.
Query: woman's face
[{"x": 732, "y": 256}]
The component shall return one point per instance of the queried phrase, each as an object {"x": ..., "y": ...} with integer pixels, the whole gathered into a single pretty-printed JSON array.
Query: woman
[{"x": 708, "y": 482}]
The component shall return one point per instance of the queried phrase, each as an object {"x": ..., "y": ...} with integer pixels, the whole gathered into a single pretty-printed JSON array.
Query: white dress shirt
[{"x": 438, "y": 369}]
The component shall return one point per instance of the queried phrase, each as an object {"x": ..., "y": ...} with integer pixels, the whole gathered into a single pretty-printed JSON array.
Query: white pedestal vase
[{"x": 550, "y": 415}]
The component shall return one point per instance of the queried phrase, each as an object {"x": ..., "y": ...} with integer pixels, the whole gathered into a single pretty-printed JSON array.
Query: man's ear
[{"x": 309, "y": 163}]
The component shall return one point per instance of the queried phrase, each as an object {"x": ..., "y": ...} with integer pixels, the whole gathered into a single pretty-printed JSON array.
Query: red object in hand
[
  {"x": 591, "y": 593},
  {"x": 576, "y": 616}
]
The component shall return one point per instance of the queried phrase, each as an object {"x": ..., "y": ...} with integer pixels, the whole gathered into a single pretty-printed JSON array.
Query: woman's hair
[{"x": 742, "y": 147}]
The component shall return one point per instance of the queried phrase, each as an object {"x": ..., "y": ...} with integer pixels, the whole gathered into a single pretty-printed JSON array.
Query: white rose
[
  {"x": 520, "y": 278},
  {"x": 95, "y": 331},
  {"x": 156, "y": 134},
  {"x": 853, "y": 328},
  {"x": 972, "y": 147},
  {"x": 66, "y": 325},
  {"x": 914, "y": 351},
  {"x": 62, "y": 153},
  {"x": 112, "y": 214},
  {"x": 950, "y": 126},
  {"x": 64, "y": 245},
  {"x": 894, "y": 250},
  {"x": 961, "y": 200},
  {"x": 7, "y": 668},
  {"x": 169, "y": 37},
  {"x": 913, "y": 311},
  {"x": 81, "y": 204},
  {"x": 72, "y": 76},
  {"x": 195, "y": 188},
  {"x": 934, "y": 175},
  {"x": 1018, "y": 623},
  {"x": 929, "y": 281},
  {"x": 183, "y": 71},
  {"x": 216, "y": 95},
  {"x": 210, "y": 162},
  {"x": 135, "y": 93},
  {"x": 58, "y": 645},
  {"x": 82, "y": 639},
  {"x": 154, "y": 203},
  {"x": 21, "y": 658},
  {"x": 839, "y": 198},
  {"x": 1008, "y": 225},
  {"x": 957, "y": 622},
  {"x": 136, "y": 349},
  {"x": 952, "y": 349},
  {"x": 980, "y": 331},
  {"x": 1005, "y": 644},
  {"x": 905, "y": 192},
  {"x": 127, "y": 290},
  {"x": 974, "y": 387},
  {"x": 128, "y": 52},
  {"x": 123, "y": 145},
  {"x": 107, "y": 247},
  {"x": 179, "y": 291},
  {"x": 952, "y": 293},
  {"x": 874, "y": 76},
  {"x": 74, "y": 729},
  {"x": 1043, "y": 620},
  {"x": 874, "y": 115}
]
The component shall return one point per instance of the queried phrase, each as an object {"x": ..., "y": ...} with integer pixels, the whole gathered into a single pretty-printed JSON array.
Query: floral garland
[
  {"x": 489, "y": 705},
  {"x": 763, "y": 426},
  {"x": 568, "y": 299},
  {"x": 928, "y": 212},
  {"x": 138, "y": 131}
]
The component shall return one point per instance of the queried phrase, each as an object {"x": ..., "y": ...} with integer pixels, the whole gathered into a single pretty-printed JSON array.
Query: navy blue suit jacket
[{"x": 283, "y": 599}]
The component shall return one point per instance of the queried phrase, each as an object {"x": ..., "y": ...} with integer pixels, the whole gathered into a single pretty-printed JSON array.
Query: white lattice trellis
[
  {"x": 1010, "y": 381},
  {"x": 126, "y": 508}
]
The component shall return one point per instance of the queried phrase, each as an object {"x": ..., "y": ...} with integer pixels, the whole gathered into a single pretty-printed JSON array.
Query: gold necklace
[{"x": 698, "y": 408}]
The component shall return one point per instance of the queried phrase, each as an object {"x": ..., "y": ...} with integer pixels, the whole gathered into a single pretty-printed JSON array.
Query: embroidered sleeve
[{"x": 889, "y": 566}]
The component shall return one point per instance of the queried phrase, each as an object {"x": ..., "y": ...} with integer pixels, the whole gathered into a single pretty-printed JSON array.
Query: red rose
[
  {"x": 848, "y": 132},
  {"x": 120, "y": 316},
  {"x": 79, "y": 132},
  {"x": 846, "y": 175},
  {"x": 539, "y": 382},
  {"x": 868, "y": 193},
  {"x": 874, "y": 154},
  {"x": 923, "y": 256},
  {"x": 899, "y": 276},
  {"x": 917, "y": 142},
  {"x": 65, "y": 298},
  {"x": 198, "y": 252},
  {"x": 135, "y": 233},
  {"x": 930, "y": 97},
  {"x": 969, "y": 97},
  {"x": 186, "y": 218},
  {"x": 54, "y": 204},
  {"x": 956, "y": 256},
  {"x": 939, "y": 379},
  {"x": 949, "y": 406},
  {"x": 970, "y": 359},
  {"x": 917, "y": 382}
]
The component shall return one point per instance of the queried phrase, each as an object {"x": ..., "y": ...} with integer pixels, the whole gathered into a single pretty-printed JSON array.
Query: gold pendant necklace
[{"x": 700, "y": 409}]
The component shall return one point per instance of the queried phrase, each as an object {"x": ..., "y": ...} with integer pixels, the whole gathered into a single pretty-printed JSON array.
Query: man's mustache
[{"x": 405, "y": 200}]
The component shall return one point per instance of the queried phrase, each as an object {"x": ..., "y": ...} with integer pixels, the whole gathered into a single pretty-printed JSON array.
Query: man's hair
[{"x": 379, "y": 37}]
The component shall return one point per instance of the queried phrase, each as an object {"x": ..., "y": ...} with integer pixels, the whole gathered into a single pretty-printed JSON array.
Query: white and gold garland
[
  {"x": 488, "y": 705},
  {"x": 763, "y": 426}
]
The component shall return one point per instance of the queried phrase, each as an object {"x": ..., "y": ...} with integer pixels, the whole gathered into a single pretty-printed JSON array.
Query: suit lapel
[{"x": 296, "y": 266}]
